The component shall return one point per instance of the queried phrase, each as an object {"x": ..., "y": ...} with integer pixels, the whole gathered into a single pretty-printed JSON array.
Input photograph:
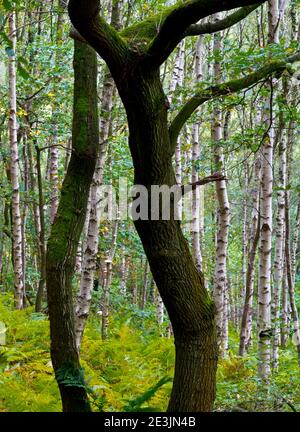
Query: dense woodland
[{"x": 103, "y": 311}]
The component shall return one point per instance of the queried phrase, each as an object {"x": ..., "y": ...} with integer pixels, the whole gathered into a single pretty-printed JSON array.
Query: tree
[
  {"x": 134, "y": 57},
  {"x": 66, "y": 230},
  {"x": 14, "y": 169}
]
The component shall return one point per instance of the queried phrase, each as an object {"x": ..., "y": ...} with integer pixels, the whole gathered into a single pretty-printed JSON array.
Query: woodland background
[{"x": 251, "y": 136}]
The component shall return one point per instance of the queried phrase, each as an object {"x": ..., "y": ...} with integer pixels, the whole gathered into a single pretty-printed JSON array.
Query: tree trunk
[
  {"x": 220, "y": 278},
  {"x": 285, "y": 321},
  {"x": 92, "y": 239},
  {"x": 264, "y": 286},
  {"x": 279, "y": 252},
  {"x": 197, "y": 193},
  {"x": 14, "y": 170},
  {"x": 124, "y": 272},
  {"x": 66, "y": 231},
  {"x": 180, "y": 284},
  {"x": 290, "y": 281},
  {"x": 54, "y": 154},
  {"x": 42, "y": 236},
  {"x": 144, "y": 293},
  {"x": 245, "y": 333},
  {"x": 108, "y": 279}
]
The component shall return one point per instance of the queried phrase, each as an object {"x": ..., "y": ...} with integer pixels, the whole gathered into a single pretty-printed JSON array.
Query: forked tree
[{"x": 134, "y": 57}]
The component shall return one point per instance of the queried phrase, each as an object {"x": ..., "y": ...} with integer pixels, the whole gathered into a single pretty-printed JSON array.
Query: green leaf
[
  {"x": 23, "y": 72},
  {"x": 6, "y": 39},
  {"x": 7, "y": 5}
]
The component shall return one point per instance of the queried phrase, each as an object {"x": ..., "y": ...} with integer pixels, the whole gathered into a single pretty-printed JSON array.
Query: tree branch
[
  {"x": 175, "y": 24},
  {"x": 229, "y": 21},
  {"x": 278, "y": 66},
  {"x": 210, "y": 179},
  {"x": 85, "y": 17}
]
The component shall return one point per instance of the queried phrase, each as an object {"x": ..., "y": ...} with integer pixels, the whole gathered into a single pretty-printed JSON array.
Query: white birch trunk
[
  {"x": 177, "y": 81},
  {"x": 290, "y": 281},
  {"x": 108, "y": 279},
  {"x": 92, "y": 238},
  {"x": 264, "y": 285},
  {"x": 198, "y": 193},
  {"x": 279, "y": 252},
  {"x": 54, "y": 153},
  {"x": 246, "y": 326},
  {"x": 14, "y": 169},
  {"x": 220, "y": 276},
  {"x": 124, "y": 271}
]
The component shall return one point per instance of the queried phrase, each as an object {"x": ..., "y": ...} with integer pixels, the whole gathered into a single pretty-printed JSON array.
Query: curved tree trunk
[
  {"x": 180, "y": 284},
  {"x": 66, "y": 231}
]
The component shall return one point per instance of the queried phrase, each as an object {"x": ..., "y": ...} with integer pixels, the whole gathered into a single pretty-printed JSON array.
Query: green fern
[
  {"x": 70, "y": 377},
  {"x": 136, "y": 404}
]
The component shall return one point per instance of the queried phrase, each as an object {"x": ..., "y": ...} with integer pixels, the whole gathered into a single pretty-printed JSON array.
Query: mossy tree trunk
[
  {"x": 67, "y": 228},
  {"x": 180, "y": 284}
]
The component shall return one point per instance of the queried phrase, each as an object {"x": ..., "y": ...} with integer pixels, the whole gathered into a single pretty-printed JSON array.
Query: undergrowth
[{"x": 131, "y": 371}]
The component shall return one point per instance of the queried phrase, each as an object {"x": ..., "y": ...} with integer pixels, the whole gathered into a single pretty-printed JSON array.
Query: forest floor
[{"x": 131, "y": 371}]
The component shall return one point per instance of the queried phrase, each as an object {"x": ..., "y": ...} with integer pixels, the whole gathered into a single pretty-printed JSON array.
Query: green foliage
[
  {"x": 136, "y": 404},
  {"x": 129, "y": 372},
  {"x": 70, "y": 377}
]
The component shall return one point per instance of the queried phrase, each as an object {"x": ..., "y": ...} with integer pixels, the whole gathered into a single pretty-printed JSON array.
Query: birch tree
[{"x": 14, "y": 168}]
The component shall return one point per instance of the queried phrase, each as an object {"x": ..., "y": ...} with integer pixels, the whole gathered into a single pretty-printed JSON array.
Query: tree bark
[
  {"x": 220, "y": 278},
  {"x": 246, "y": 324},
  {"x": 66, "y": 231},
  {"x": 108, "y": 279},
  {"x": 279, "y": 251},
  {"x": 14, "y": 170},
  {"x": 180, "y": 284},
  {"x": 290, "y": 281},
  {"x": 42, "y": 236},
  {"x": 54, "y": 154},
  {"x": 264, "y": 286}
]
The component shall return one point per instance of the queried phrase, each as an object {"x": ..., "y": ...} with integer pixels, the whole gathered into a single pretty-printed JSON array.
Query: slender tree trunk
[
  {"x": 124, "y": 272},
  {"x": 144, "y": 292},
  {"x": 92, "y": 238},
  {"x": 197, "y": 192},
  {"x": 66, "y": 231},
  {"x": 220, "y": 278},
  {"x": 264, "y": 286},
  {"x": 290, "y": 280},
  {"x": 14, "y": 170},
  {"x": 246, "y": 324},
  {"x": 54, "y": 154},
  {"x": 295, "y": 246},
  {"x": 279, "y": 252},
  {"x": 196, "y": 201},
  {"x": 285, "y": 320},
  {"x": 245, "y": 333},
  {"x": 24, "y": 211},
  {"x": 177, "y": 81},
  {"x": 108, "y": 279},
  {"x": 42, "y": 236},
  {"x": 159, "y": 310}
]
